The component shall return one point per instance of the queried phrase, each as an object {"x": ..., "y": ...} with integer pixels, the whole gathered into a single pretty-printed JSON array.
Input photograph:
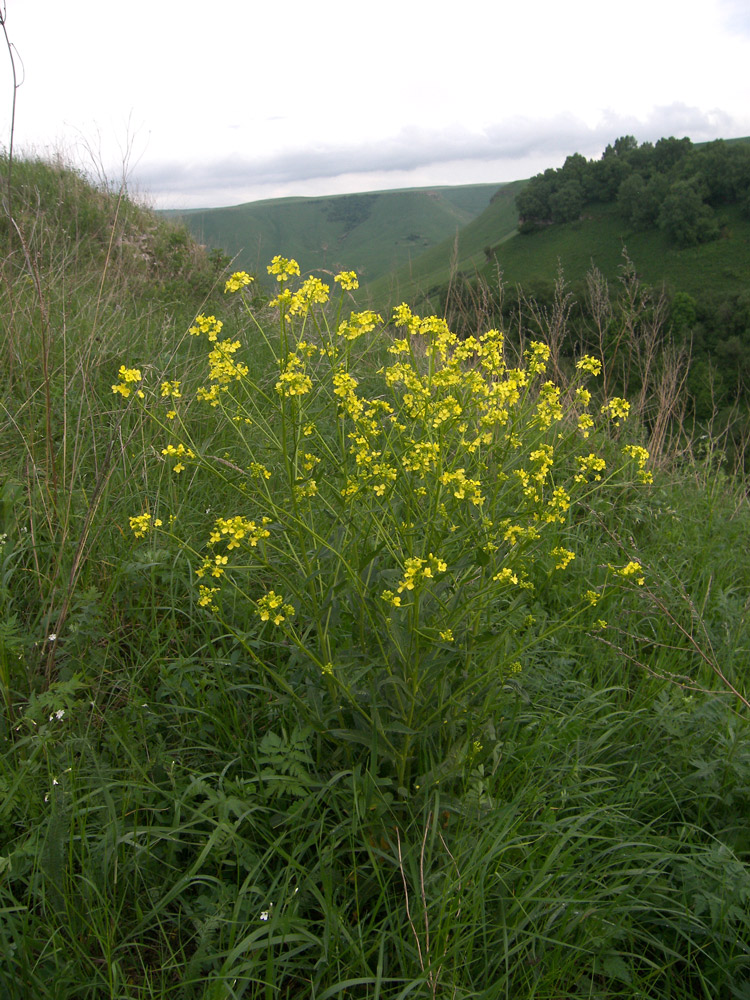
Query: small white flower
[
  {"x": 52, "y": 637},
  {"x": 265, "y": 914}
]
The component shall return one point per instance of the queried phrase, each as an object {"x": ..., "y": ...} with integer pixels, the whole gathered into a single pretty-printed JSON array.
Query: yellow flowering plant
[{"x": 397, "y": 514}]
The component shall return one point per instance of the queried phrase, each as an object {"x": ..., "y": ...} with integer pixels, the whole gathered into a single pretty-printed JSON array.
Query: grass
[
  {"x": 710, "y": 272},
  {"x": 373, "y": 233},
  {"x": 191, "y": 807}
]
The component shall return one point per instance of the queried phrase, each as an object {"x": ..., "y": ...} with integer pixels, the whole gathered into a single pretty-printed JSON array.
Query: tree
[
  {"x": 685, "y": 217},
  {"x": 566, "y": 203}
]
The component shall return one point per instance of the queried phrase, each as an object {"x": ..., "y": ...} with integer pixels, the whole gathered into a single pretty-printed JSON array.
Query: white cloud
[{"x": 239, "y": 101}]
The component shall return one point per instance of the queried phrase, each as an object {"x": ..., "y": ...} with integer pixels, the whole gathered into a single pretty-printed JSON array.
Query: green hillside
[
  {"x": 583, "y": 215},
  {"x": 599, "y": 238},
  {"x": 464, "y": 250},
  {"x": 371, "y": 233}
]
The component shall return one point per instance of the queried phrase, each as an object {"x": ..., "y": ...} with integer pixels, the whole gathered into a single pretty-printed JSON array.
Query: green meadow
[
  {"x": 342, "y": 657},
  {"x": 375, "y": 233}
]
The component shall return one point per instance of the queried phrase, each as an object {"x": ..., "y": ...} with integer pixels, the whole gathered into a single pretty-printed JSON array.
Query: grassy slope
[
  {"x": 711, "y": 271},
  {"x": 370, "y": 233},
  {"x": 495, "y": 224},
  {"x": 599, "y": 238}
]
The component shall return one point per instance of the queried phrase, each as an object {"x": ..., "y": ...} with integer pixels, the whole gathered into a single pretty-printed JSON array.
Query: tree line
[{"x": 672, "y": 185}]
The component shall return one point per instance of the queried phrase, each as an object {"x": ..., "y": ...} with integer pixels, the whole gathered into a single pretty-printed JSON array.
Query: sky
[{"x": 219, "y": 103}]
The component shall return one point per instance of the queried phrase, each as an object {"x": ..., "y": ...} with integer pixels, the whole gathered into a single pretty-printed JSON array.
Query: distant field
[{"x": 373, "y": 233}]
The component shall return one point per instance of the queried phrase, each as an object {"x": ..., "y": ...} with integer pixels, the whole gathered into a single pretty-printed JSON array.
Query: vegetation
[
  {"x": 376, "y": 233},
  {"x": 701, "y": 289},
  {"x": 671, "y": 185},
  {"x": 350, "y": 658}
]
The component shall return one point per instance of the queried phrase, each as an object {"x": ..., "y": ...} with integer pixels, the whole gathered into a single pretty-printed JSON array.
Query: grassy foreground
[{"x": 341, "y": 658}]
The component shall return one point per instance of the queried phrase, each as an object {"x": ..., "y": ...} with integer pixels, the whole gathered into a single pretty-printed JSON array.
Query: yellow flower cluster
[
  {"x": 312, "y": 291},
  {"x": 239, "y": 529},
  {"x": 179, "y": 452},
  {"x": 294, "y": 381},
  {"x": 536, "y": 356},
  {"x": 558, "y": 505},
  {"x": 631, "y": 569},
  {"x": 416, "y": 568},
  {"x": 585, "y": 423},
  {"x": 271, "y": 607},
  {"x": 562, "y": 557},
  {"x": 141, "y": 524},
  {"x": 542, "y": 457},
  {"x": 358, "y": 324},
  {"x": 258, "y": 471},
  {"x": 617, "y": 408},
  {"x": 284, "y": 268},
  {"x": 421, "y": 456},
  {"x": 128, "y": 378},
  {"x": 589, "y": 466},
  {"x": 240, "y": 279},
  {"x": 209, "y": 325},
  {"x": 170, "y": 390},
  {"x": 206, "y": 596},
  {"x": 306, "y": 488},
  {"x": 641, "y": 456},
  {"x": 222, "y": 368},
  {"x": 348, "y": 280},
  {"x": 210, "y": 395},
  {"x": 588, "y": 364},
  {"x": 213, "y": 566},
  {"x": 463, "y": 488},
  {"x": 549, "y": 408}
]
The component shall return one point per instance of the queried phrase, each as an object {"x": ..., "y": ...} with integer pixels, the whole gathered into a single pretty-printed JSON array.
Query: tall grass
[{"x": 198, "y": 801}]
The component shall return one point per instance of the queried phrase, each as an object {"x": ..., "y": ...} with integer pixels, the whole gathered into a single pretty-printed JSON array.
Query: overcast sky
[{"x": 219, "y": 102}]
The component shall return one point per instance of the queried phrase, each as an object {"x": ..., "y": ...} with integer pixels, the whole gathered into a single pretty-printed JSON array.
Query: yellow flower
[
  {"x": 271, "y": 607},
  {"x": 631, "y": 569},
  {"x": 348, "y": 280},
  {"x": 141, "y": 524},
  {"x": 128, "y": 377},
  {"x": 359, "y": 323},
  {"x": 562, "y": 557},
  {"x": 293, "y": 381},
  {"x": 617, "y": 408},
  {"x": 312, "y": 290},
  {"x": 589, "y": 465},
  {"x": 206, "y": 596},
  {"x": 505, "y": 575},
  {"x": 237, "y": 281},
  {"x": 283, "y": 268},
  {"x": 589, "y": 364},
  {"x": 390, "y": 598},
  {"x": 209, "y": 325},
  {"x": 179, "y": 453},
  {"x": 170, "y": 389}
]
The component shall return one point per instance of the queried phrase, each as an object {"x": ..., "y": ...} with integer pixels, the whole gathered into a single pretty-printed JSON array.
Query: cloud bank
[{"x": 507, "y": 147}]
